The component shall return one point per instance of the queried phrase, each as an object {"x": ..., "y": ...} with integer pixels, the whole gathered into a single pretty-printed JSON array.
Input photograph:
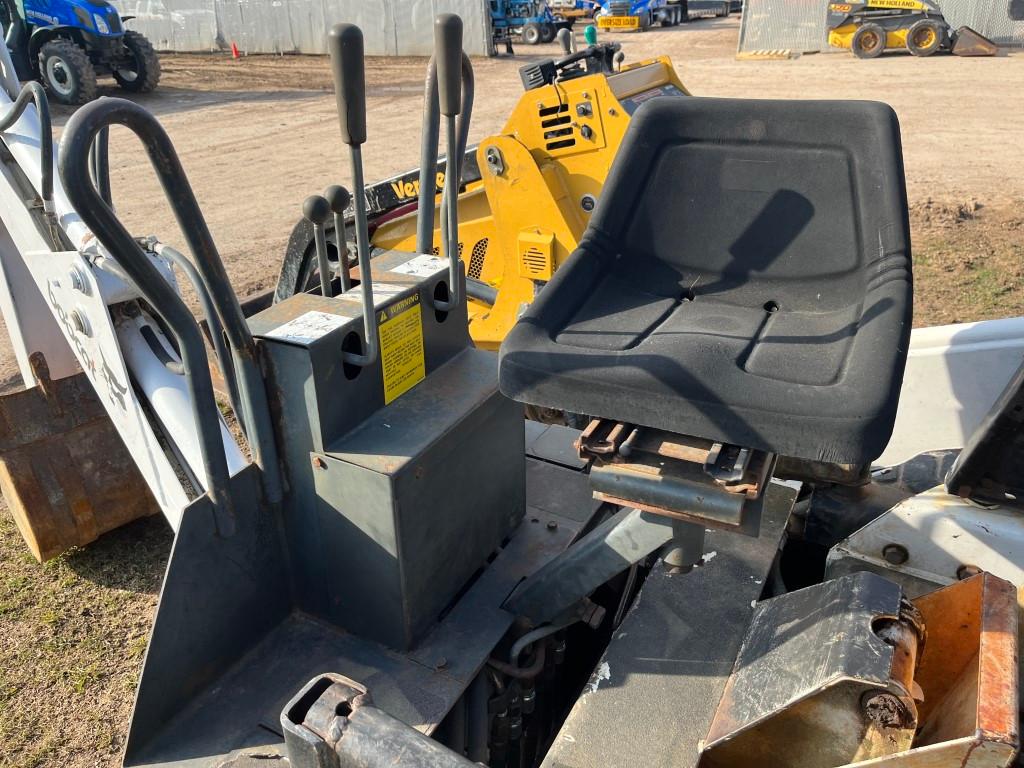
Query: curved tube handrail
[
  {"x": 73, "y": 164},
  {"x": 34, "y": 92}
]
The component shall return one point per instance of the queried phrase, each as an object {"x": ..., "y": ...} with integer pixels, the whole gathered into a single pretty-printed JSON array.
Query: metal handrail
[
  {"x": 73, "y": 163},
  {"x": 33, "y": 92}
]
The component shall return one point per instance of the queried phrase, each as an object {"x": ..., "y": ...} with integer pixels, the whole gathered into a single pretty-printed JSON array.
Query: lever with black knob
[
  {"x": 345, "y": 43},
  {"x": 448, "y": 46},
  {"x": 317, "y": 210},
  {"x": 339, "y": 199}
]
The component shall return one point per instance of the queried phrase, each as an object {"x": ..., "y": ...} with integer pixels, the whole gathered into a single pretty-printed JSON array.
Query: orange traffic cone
[{"x": 234, "y": 51}]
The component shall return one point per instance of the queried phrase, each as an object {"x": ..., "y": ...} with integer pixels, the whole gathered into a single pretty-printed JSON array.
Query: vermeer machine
[
  {"x": 526, "y": 195},
  {"x": 408, "y": 573}
]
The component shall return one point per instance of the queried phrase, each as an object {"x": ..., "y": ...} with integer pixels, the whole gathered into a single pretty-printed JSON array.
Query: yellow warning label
[
  {"x": 911, "y": 5},
  {"x": 401, "y": 347}
]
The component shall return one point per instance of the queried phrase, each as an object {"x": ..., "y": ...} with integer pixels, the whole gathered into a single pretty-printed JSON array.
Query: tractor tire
[
  {"x": 531, "y": 34},
  {"x": 547, "y": 32},
  {"x": 925, "y": 37},
  {"x": 645, "y": 21},
  {"x": 66, "y": 72},
  {"x": 145, "y": 74},
  {"x": 868, "y": 42}
]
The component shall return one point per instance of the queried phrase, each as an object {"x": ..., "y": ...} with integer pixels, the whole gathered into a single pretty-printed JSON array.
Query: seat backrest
[{"x": 725, "y": 192}]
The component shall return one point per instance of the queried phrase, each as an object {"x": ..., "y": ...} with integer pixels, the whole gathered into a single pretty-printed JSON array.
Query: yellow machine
[
  {"x": 528, "y": 191},
  {"x": 871, "y": 27}
]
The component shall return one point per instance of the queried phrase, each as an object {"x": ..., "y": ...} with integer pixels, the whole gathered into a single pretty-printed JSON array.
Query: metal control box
[{"x": 404, "y": 476}]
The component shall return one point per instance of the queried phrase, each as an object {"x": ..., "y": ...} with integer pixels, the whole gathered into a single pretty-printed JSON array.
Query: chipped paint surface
[{"x": 602, "y": 673}]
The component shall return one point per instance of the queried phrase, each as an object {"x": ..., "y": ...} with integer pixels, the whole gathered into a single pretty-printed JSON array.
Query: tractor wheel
[
  {"x": 645, "y": 21},
  {"x": 925, "y": 37},
  {"x": 868, "y": 42},
  {"x": 143, "y": 73},
  {"x": 531, "y": 33},
  {"x": 66, "y": 72},
  {"x": 547, "y": 32}
]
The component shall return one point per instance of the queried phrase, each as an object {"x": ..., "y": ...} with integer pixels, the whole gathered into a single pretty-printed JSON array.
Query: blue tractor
[
  {"x": 529, "y": 20},
  {"x": 66, "y": 44}
]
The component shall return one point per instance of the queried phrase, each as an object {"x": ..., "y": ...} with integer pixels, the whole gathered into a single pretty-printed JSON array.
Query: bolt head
[{"x": 80, "y": 322}]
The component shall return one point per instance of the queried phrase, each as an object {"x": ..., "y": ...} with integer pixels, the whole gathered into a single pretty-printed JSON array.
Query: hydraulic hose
[{"x": 220, "y": 349}]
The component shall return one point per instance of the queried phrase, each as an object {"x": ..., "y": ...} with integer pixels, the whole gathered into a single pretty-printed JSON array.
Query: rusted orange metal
[
  {"x": 965, "y": 683},
  {"x": 64, "y": 470}
]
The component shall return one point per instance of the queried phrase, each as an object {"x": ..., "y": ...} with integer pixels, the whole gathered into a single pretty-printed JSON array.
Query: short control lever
[
  {"x": 339, "y": 199},
  {"x": 317, "y": 210},
  {"x": 567, "y": 40},
  {"x": 345, "y": 42},
  {"x": 448, "y": 45}
]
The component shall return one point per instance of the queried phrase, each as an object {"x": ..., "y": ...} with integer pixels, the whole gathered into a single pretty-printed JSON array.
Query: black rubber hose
[{"x": 34, "y": 92}]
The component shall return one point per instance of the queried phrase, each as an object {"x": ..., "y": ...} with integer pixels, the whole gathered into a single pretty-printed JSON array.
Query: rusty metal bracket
[
  {"x": 824, "y": 678},
  {"x": 850, "y": 671},
  {"x": 64, "y": 470},
  {"x": 679, "y": 476}
]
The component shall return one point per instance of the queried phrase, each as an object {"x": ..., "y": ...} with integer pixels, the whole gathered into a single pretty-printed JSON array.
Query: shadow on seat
[{"x": 745, "y": 278}]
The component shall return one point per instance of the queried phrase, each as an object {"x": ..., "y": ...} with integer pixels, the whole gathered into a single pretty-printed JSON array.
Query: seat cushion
[{"x": 746, "y": 278}]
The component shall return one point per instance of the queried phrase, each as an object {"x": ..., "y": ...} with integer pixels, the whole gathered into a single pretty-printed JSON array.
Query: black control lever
[
  {"x": 345, "y": 42},
  {"x": 448, "y": 53},
  {"x": 317, "y": 210},
  {"x": 339, "y": 199},
  {"x": 566, "y": 40}
]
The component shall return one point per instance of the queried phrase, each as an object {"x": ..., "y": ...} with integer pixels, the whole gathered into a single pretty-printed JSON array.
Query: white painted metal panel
[{"x": 954, "y": 375}]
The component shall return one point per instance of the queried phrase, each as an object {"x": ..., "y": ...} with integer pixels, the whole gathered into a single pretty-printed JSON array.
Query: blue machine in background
[
  {"x": 530, "y": 21},
  {"x": 66, "y": 44}
]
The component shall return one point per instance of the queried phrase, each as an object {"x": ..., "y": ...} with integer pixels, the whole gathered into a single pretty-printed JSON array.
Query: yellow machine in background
[
  {"x": 529, "y": 197},
  {"x": 871, "y": 27},
  {"x": 547, "y": 165}
]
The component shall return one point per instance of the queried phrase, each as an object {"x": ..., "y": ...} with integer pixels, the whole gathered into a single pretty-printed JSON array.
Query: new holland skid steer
[
  {"x": 527, "y": 193},
  {"x": 870, "y": 27},
  {"x": 757, "y": 552}
]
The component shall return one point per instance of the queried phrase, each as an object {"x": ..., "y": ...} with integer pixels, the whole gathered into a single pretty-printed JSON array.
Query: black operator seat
[{"x": 746, "y": 278}]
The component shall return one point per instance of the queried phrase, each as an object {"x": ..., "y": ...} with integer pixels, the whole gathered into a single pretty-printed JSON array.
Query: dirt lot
[{"x": 258, "y": 135}]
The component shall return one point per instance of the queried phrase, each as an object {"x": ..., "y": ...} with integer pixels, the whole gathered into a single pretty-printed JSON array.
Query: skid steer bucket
[
  {"x": 64, "y": 470},
  {"x": 967, "y": 42}
]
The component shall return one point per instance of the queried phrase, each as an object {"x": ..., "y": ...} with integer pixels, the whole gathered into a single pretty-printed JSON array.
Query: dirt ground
[{"x": 260, "y": 134}]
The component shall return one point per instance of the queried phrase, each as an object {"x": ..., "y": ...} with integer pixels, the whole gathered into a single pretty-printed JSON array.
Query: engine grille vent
[
  {"x": 557, "y": 126},
  {"x": 477, "y": 258}
]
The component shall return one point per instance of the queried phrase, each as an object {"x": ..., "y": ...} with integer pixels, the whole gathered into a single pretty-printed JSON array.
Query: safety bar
[
  {"x": 33, "y": 92},
  {"x": 73, "y": 163},
  {"x": 99, "y": 161}
]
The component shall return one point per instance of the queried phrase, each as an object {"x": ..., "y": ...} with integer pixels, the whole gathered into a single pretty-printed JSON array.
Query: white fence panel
[{"x": 390, "y": 27}]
